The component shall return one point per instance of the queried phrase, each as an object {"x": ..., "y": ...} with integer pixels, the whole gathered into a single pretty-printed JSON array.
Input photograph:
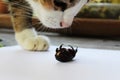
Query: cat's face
[{"x": 56, "y": 13}]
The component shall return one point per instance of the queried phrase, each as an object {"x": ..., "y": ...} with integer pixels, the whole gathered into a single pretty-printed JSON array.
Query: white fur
[
  {"x": 51, "y": 18},
  {"x": 29, "y": 40}
]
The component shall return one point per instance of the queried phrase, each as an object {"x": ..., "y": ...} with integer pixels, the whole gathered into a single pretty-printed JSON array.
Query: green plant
[{"x": 1, "y": 45}]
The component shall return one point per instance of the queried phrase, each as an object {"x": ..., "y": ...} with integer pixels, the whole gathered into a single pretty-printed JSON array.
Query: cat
[{"x": 51, "y": 13}]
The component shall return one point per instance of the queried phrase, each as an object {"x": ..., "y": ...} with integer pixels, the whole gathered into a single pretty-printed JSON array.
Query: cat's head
[{"x": 56, "y": 13}]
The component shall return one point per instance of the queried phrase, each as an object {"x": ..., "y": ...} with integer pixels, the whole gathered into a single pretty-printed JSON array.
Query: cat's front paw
[
  {"x": 38, "y": 43},
  {"x": 29, "y": 40}
]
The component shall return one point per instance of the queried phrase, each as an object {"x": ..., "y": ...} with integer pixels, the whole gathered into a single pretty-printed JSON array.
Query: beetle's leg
[
  {"x": 57, "y": 50},
  {"x": 71, "y": 47},
  {"x": 61, "y": 46},
  {"x": 76, "y": 50}
]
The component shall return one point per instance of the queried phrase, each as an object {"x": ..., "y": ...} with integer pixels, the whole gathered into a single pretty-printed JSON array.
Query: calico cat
[{"x": 52, "y": 13}]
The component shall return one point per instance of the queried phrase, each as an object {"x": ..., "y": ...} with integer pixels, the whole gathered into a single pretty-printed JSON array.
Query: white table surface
[{"x": 89, "y": 64}]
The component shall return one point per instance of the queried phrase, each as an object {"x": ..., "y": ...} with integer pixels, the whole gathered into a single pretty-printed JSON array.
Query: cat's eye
[{"x": 60, "y": 4}]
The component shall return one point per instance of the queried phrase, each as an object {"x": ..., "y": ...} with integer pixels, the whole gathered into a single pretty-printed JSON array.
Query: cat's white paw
[
  {"x": 36, "y": 43},
  {"x": 29, "y": 40}
]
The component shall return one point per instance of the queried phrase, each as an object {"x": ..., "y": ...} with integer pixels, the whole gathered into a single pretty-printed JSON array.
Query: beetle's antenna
[{"x": 56, "y": 49}]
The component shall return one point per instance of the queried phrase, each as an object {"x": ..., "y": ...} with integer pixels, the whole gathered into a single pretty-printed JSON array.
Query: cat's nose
[{"x": 64, "y": 25}]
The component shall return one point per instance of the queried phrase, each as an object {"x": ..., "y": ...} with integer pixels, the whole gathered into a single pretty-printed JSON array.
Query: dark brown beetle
[{"x": 65, "y": 54}]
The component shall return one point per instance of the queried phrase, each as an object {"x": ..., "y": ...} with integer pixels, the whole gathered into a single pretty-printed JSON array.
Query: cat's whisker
[
  {"x": 4, "y": 3},
  {"x": 44, "y": 29},
  {"x": 47, "y": 29},
  {"x": 37, "y": 23},
  {"x": 21, "y": 6},
  {"x": 27, "y": 9},
  {"x": 38, "y": 27},
  {"x": 26, "y": 13},
  {"x": 66, "y": 30},
  {"x": 16, "y": 3},
  {"x": 22, "y": 15},
  {"x": 54, "y": 30},
  {"x": 70, "y": 30}
]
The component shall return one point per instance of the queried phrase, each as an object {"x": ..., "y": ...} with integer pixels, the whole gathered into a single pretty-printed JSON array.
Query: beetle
[{"x": 65, "y": 54}]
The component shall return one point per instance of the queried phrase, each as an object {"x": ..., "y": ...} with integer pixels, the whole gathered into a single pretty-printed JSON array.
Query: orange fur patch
[{"x": 46, "y": 3}]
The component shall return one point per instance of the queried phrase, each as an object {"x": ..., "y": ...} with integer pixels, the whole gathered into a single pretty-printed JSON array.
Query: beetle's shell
[{"x": 65, "y": 56}]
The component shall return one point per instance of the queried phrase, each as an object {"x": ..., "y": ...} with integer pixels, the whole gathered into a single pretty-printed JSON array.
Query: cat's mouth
[
  {"x": 56, "y": 22},
  {"x": 59, "y": 25}
]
